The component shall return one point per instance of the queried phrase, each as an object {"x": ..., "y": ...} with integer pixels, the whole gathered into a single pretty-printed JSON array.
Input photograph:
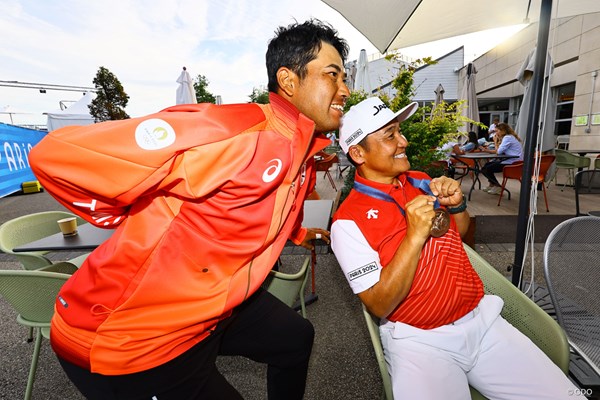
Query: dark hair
[
  {"x": 473, "y": 138},
  {"x": 297, "y": 44}
]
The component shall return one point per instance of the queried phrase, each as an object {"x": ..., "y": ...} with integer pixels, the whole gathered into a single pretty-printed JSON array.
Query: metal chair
[
  {"x": 325, "y": 162},
  {"x": 586, "y": 182},
  {"x": 289, "y": 287},
  {"x": 32, "y": 294},
  {"x": 572, "y": 274},
  {"x": 569, "y": 162},
  {"x": 466, "y": 166},
  {"x": 29, "y": 228},
  {"x": 343, "y": 164},
  {"x": 515, "y": 171},
  {"x": 373, "y": 327},
  {"x": 518, "y": 309}
]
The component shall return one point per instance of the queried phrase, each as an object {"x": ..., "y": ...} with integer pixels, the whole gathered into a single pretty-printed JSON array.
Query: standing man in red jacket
[{"x": 203, "y": 199}]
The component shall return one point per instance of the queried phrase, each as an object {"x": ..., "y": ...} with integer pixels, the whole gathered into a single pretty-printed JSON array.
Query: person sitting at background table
[
  {"x": 453, "y": 148},
  {"x": 493, "y": 128},
  {"x": 472, "y": 145},
  {"x": 507, "y": 143}
]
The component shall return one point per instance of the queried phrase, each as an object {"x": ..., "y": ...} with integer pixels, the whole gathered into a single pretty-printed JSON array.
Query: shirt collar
[{"x": 384, "y": 187}]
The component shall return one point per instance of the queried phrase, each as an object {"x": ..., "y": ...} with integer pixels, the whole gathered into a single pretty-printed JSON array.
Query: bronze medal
[{"x": 441, "y": 223}]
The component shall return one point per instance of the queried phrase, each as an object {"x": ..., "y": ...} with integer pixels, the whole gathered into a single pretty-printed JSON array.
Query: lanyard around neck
[{"x": 422, "y": 184}]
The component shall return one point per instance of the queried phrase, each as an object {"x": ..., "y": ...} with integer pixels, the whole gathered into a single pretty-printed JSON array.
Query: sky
[{"x": 146, "y": 43}]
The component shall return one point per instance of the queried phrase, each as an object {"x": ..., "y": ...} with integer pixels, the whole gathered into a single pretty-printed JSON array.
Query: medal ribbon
[{"x": 422, "y": 184}]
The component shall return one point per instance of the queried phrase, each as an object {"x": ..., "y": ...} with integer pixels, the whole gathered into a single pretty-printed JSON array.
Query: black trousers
[
  {"x": 490, "y": 168},
  {"x": 262, "y": 329}
]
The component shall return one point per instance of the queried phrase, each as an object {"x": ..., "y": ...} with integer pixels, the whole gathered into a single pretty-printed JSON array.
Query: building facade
[{"x": 573, "y": 104}]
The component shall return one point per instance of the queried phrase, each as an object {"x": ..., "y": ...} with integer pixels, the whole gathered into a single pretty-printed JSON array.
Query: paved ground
[{"x": 342, "y": 366}]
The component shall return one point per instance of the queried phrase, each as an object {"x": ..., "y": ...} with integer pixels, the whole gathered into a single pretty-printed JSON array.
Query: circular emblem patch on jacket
[{"x": 154, "y": 134}]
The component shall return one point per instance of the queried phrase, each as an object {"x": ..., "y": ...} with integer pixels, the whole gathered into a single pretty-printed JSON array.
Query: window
[{"x": 565, "y": 97}]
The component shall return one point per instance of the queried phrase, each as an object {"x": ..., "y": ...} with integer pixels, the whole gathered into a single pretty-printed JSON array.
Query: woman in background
[{"x": 507, "y": 143}]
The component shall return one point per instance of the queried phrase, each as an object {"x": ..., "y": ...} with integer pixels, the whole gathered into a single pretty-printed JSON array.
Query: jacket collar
[{"x": 303, "y": 127}]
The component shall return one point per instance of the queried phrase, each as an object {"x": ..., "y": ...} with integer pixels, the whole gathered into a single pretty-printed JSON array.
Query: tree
[
  {"x": 259, "y": 95},
  {"x": 111, "y": 99},
  {"x": 203, "y": 95}
]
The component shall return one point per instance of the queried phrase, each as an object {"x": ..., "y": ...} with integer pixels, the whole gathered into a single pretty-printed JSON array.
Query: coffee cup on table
[{"x": 68, "y": 226}]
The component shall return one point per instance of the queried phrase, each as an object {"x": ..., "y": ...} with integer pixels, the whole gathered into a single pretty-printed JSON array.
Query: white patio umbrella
[
  {"x": 439, "y": 98},
  {"x": 524, "y": 76},
  {"x": 351, "y": 75},
  {"x": 439, "y": 94},
  {"x": 362, "y": 73},
  {"x": 469, "y": 94},
  {"x": 185, "y": 91}
]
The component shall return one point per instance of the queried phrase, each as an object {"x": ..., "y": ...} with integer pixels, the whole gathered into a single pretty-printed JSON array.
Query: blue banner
[{"x": 15, "y": 144}]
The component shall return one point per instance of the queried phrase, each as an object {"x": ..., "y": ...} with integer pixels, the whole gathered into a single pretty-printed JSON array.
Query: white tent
[{"x": 77, "y": 113}]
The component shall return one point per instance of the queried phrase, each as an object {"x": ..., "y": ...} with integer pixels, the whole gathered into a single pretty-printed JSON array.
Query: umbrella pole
[{"x": 531, "y": 138}]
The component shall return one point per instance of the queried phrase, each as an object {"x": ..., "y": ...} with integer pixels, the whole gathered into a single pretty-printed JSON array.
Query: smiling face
[
  {"x": 382, "y": 156},
  {"x": 322, "y": 93}
]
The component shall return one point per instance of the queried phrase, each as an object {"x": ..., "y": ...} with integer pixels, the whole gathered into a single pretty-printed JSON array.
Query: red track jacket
[{"x": 203, "y": 199}]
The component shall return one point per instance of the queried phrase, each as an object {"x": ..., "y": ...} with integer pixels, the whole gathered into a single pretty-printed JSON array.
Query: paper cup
[{"x": 68, "y": 226}]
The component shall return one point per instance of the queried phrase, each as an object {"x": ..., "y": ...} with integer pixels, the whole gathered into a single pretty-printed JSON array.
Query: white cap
[{"x": 367, "y": 117}]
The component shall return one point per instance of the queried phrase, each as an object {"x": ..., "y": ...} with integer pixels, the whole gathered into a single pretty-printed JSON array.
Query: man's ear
[
  {"x": 356, "y": 152},
  {"x": 287, "y": 80}
]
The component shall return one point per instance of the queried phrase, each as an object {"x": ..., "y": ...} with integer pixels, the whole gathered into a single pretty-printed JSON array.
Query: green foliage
[
  {"x": 202, "y": 94},
  {"x": 354, "y": 98},
  {"x": 111, "y": 98},
  {"x": 259, "y": 95}
]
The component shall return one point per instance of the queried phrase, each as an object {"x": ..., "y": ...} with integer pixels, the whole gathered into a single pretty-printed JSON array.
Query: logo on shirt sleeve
[{"x": 362, "y": 271}]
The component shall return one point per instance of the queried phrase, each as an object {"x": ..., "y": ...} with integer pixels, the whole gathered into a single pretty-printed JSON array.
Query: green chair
[
  {"x": 32, "y": 294},
  {"x": 570, "y": 162},
  {"x": 29, "y": 228},
  {"x": 289, "y": 287},
  {"x": 373, "y": 327},
  {"x": 523, "y": 313},
  {"x": 518, "y": 309}
]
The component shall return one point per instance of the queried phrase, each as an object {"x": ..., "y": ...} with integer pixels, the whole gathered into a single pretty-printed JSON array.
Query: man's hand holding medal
[
  {"x": 448, "y": 194},
  {"x": 427, "y": 219}
]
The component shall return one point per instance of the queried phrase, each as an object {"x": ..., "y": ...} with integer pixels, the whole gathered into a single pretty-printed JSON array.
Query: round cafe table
[{"x": 480, "y": 160}]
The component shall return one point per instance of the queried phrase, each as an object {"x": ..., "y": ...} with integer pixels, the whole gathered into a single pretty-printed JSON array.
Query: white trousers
[{"x": 481, "y": 349}]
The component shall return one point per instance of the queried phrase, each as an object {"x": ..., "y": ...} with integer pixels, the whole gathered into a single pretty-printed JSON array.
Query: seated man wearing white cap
[{"x": 397, "y": 238}]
